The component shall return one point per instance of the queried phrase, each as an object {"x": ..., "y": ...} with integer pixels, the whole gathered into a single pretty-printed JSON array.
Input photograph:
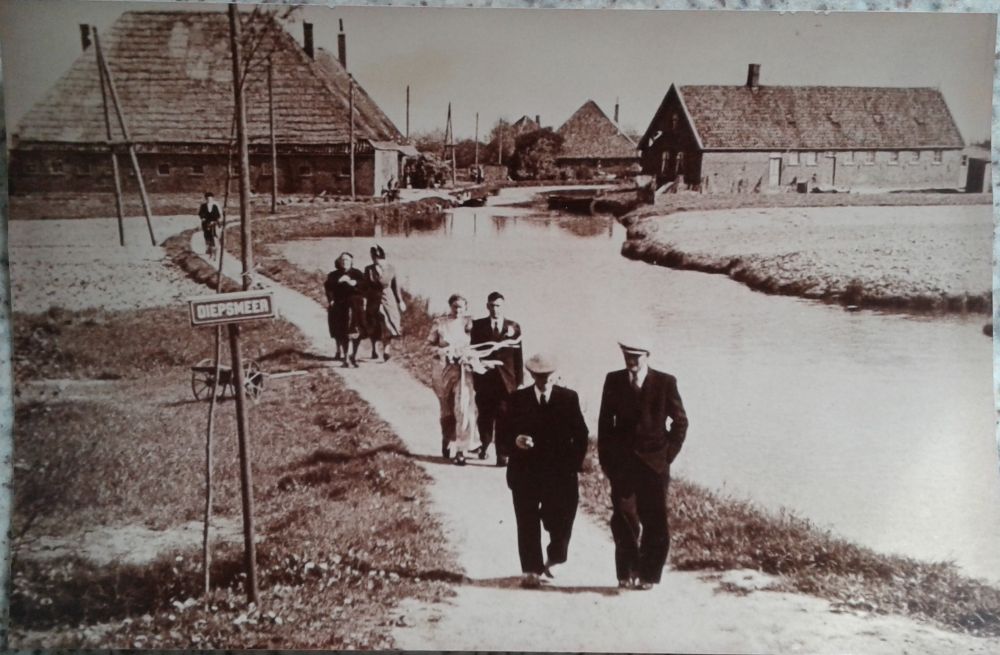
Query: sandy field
[
  {"x": 884, "y": 253},
  {"x": 79, "y": 264}
]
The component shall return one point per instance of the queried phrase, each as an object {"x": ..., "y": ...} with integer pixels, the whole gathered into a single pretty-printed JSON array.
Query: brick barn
[
  {"x": 173, "y": 73},
  {"x": 751, "y": 138},
  {"x": 591, "y": 139}
]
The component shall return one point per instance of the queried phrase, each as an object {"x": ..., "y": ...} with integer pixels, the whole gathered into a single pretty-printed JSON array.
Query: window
[
  {"x": 810, "y": 158},
  {"x": 163, "y": 169},
  {"x": 965, "y": 160},
  {"x": 198, "y": 170},
  {"x": 673, "y": 121},
  {"x": 893, "y": 157},
  {"x": 793, "y": 159},
  {"x": 305, "y": 170},
  {"x": 938, "y": 156},
  {"x": 56, "y": 167}
]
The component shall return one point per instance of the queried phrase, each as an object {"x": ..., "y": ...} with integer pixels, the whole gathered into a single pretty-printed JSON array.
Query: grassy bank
[
  {"x": 871, "y": 256},
  {"x": 716, "y": 533},
  {"x": 340, "y": 507}
]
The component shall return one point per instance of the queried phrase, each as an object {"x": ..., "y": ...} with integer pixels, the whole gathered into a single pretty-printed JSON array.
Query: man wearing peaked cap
[
  {"x": 545, "y": 433},
  {"x": 636, "y": 446}
]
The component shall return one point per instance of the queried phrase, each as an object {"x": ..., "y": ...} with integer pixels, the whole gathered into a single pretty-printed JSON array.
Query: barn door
[{"x": 774, "y": 173}]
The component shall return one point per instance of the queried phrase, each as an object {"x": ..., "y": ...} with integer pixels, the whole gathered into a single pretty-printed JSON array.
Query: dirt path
[{"x": 582, "y": 610}]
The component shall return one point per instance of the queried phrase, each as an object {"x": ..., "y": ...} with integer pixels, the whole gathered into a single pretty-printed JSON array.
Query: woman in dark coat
[{"x": 346, "y": 307}]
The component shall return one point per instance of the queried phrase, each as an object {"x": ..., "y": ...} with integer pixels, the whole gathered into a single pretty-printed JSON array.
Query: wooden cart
[{"x": 203, "y": 380}]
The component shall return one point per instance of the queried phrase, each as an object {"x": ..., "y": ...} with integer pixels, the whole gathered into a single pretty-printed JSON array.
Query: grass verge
[{"x": 341, "y": 509}]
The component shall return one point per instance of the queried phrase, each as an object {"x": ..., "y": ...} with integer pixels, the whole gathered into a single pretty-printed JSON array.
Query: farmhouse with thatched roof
[
  {"x": 759, "y": 138},
  {"x": 173, "y": 74},
  {"x": 592, "y": 139}
]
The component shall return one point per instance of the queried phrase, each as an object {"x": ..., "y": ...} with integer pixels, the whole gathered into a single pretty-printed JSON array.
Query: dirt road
[{"x": 583, "y": 609}]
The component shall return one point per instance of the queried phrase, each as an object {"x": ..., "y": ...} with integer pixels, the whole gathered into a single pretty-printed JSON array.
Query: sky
[{"x": 505, "y": 63}]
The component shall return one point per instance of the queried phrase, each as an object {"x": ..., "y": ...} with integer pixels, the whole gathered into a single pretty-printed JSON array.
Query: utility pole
[
  {"x": 103, "y": 63},
  {"x": 350, "y": 106},
  {"x": 477, "y": 143},
  {"x": 246, "y": 253},
  {"x": 111, "y": 149},
  {"x": 500, "y": 144},
  {"x": 449, "y": 142},
  {"x": 274, "y": 147},
  {"x": 407, "y": 111}
]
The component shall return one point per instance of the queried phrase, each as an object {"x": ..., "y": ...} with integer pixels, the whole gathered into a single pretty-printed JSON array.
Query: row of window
[
  {"x": 58, "y": 167},
  {"x": 849, "y": 157}
]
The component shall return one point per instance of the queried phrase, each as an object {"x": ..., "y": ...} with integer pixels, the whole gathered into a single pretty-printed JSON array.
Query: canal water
[{"x": 877, "y": 426}]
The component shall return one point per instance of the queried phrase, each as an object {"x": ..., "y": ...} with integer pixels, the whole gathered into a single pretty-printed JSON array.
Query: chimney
[
  {"x": 342, "y": 45},
  {"x": 538, "y": 120},
  {"x": 753, "y": 76},
  {"x": 616, "y": 111},
  {"x": 307, "y": 39},
  {"x": 85, "y": 36}
]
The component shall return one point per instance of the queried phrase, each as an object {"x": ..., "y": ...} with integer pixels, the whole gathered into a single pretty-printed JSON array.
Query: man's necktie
[
  {"x": 496, "y": 331},
  {"x": 635, "y": 382},
  {"x": 543, "y": 400}
]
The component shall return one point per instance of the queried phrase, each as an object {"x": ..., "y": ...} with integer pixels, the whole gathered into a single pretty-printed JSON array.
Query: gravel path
[{"x": 583, "y": 610}]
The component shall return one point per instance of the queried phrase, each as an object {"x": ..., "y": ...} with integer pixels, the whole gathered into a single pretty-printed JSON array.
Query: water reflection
[{"x": 879, "y": 425}]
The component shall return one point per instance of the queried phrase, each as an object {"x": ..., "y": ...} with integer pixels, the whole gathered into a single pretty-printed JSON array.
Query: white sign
[{"x": 231, "y": 307}]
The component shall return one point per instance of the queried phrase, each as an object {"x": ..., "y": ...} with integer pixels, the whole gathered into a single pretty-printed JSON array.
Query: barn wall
[
  {"x": 735, "y": 172},
  {"x": 46, "y": 171}
]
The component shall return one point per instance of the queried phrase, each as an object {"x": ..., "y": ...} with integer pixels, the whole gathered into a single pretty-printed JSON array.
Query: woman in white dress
[{"x": 449, "y": 336}]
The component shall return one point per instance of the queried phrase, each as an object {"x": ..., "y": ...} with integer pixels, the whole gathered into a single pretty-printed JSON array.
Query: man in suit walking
[
  {"x": 544, "y": 431},
  {"x": 504, "y": 370},
  {"x": 636, "y": 447}
]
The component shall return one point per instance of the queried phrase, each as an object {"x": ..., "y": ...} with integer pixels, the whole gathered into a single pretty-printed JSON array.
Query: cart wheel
[
  {"x": 253, "y": 380},
  {"x": 203, "y": 380}
]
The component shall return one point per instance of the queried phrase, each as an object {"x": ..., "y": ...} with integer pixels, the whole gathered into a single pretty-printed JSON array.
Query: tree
[
  {"x": 534, "y": 156},
  {"x": 501, "y": 134}
]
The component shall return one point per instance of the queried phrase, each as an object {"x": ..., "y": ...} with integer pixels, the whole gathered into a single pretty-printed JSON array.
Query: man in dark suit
[
  {"x": 636, "y": 448},
  {"x": 544, "y": 431},
  {"x": 504, "y": 370}
]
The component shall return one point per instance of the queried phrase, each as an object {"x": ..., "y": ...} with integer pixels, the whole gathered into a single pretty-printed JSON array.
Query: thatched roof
[
  {"x": 590, "y": 134},
  {"x": 173, "y": 73},
  {"x": 819, "y": 117},
  {"x": 524, "y": 125}
]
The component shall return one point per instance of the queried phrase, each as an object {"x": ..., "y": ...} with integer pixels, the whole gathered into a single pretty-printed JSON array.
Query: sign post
[{"x": 232, "y": 309}]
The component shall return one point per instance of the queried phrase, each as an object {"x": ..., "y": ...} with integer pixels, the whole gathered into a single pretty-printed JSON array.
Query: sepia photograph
[{"x": 581, "y": 330}]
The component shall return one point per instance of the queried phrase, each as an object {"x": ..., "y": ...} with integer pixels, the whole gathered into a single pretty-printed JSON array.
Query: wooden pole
[
  {"x": 350, "y": 105},
  {"x": 116, "y": 174},
  {"x": 242, "y": 424},
  {"x": 500, "y": 145},
  {"x": 477, "y": 144},
  {"x": 450, "y": 142},
  {"x": 407, "y": 111},
  {"x": 274, "y": 146},
  {"x": 102, "y": 62}
]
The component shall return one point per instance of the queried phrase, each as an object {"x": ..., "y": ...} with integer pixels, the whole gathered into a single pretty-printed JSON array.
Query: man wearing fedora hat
[
  {"x": 544, "y": 431},
  {"x": 636, "y": 447}
]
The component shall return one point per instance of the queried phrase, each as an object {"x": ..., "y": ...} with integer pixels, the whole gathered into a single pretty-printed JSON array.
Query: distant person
[
  {"x": 635, "y": 448},
  {"x": 383, "y": 303},
  {"x": 504, "y": 370},
  {"x": 452, "y": 381},
  {"x": 210, "y": 215},
  {"x": 545, "y": 433},
  {"x": 345, "y": 308}
]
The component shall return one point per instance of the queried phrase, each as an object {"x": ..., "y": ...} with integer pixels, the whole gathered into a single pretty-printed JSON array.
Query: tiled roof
[
  {"x": 820, "y": 117},
  {"x": 590, "y": 134},
  {"x": 173, "y": 73}
]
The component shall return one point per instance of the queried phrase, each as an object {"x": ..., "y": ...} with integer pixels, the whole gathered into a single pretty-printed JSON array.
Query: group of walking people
[
  {"x": 538, "y": 430},
  {"x": 363, "y": 304},
  {"x": 541, "y": 436}
]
